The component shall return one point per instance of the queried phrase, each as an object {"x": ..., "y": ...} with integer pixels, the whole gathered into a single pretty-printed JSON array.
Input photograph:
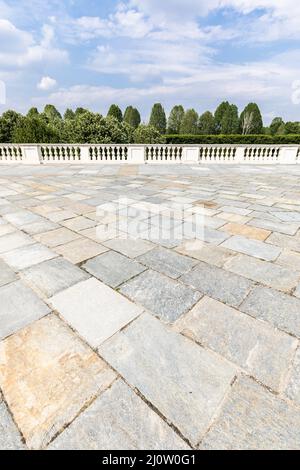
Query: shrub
[
  {"x": 233, "y": 139},
  {"x": 147, "y": 135}
]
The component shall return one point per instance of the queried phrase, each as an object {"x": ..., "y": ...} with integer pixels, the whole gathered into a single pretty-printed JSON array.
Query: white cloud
[{"x": 46, "y": 83}]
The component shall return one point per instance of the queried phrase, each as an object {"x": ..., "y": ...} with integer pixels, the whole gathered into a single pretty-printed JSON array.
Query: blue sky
[{"x": 93, "y": 53}]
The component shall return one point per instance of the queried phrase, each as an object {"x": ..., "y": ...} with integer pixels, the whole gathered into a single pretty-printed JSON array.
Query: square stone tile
[
  {"x": 113, "y": 268},
  {"x": 61, "y": 215},
  {"x": 26, "y": 256},
  {"x": 22, "y": 218},
  {"x": 218, "y": 283},
  {"x": 39, "y": 227},
  {"x": 281, "y": 310},
  {"x": 246, "y": 231},
  {"x": 19, "y": 306},
  {"x": 57, "y": 237},
  {"x": 161, "y": 295},
  {"x": 290, "y": 259},
  {"x": 254, "y": 419},
  {"x": 53, "y": 276},
  {"x": 7, "y": 275},
  {"x": 129, "y": 247},
  {"x": 80, "y": 250},
  {"x": 284, "y": 241},
  {"x": 10, "y": 438},
  {"x": 254, "y": 248},
  {"x": 235, "y": 210},
  {"x": 182, "y": 380},
  {"x": 258, "y": 348},
  {"x": 95, "y": 310},
  {"x": 46, "y": 394},
  {"x": 78, "y": 223},
  {"x": 167, "y": 262},
  {"x": 216, "y": 255},
  {"x": 13, "y": 241},
  {"x": 119, "y": 420}
]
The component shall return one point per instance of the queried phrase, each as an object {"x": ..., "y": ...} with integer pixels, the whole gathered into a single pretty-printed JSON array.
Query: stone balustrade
[{"x": 148, "y": 154}]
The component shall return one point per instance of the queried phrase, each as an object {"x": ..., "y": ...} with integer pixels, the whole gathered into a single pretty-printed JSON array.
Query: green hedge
[{"x": 233, "y": 139}]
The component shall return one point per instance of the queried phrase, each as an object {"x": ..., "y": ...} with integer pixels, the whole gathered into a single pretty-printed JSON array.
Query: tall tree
[
  {"x": 206, "y": 124},
  {"x": 132, "y": 117},
  {"x": 115, "y": 111},
  {"x": 219, "y": 114},
  {"x": 69, "y": 114},
  {"x": 189, "y": 123},
  {"x": 230, "y": 120},
  {"x": 33, "y": 112},
  {"x": 175, "y": 119},
  {"x": 8, "y": 121},
  {"x": 51, "y": 112},
  {"x": 33, "y": 130},
  {"x": 275, "y": 125},
  {"x": 292, "y": 128},
  {"x": 158, "y": 118},
  {"x": 251, "y": 120}
]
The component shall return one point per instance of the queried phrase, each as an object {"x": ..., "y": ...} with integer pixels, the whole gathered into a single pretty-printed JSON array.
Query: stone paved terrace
[{"x": 113, "y": 343}]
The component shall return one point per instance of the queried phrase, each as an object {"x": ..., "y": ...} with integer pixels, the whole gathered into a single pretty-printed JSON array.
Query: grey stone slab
[
  {"x": 281, "y": 310},
  {"x": 288, "y": 216},
  {"x": 6, "y": 229},
  {"x": 285, "y": 228},
  {"x": 254, "y": 419},
  {"x": 10, "y": 438},
  {"x": 113, "y": 268},
  {"x": 7, "y": 275},
  {"x": 119, "y": 420},
  {"x": 297, "y": 291},
  {"x": 167, "y": 262},
  {"x": 53, "y": 276},
  {"x": 19, "y": 306},
  {"x": 182, "y": 380},
  {"x": 129, "y": 247},
  {"x": 95, "y": 310},
  {"x": 218, "y": 283},
  {"x": 257, "y": 347},
  {"x": 284, "y": 241},
  {"x": 270, "y": 274},
  {"x": 254, "y": 248},
  {"x": 162, "y": 296},
  {"x": 26, "y": 256},
  {"x": 293, "y": 387},
  {"x": 13, "y": 241},
  {"x": 39, "y": 227},
  {"x": 22, "y": 218},
  {"x": 216, "y": 255},
  {"x": 235, "y": 210}
]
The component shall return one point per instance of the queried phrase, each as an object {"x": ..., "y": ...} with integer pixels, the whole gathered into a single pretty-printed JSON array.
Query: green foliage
[
  {"x": 8, "y": 122},
  {"x": 206, "y": 123},
  {"x": 251, "y": 120},
  {"x": 81, "y": 111},
  {"x": 232, "y": 139},
  {"x": 147, "y": 135},
  {"x": 219, "y": 114},
  {"x": 276, "y": 125},
  {"x": 292, "y": 128},
  {"x": 33, "y": 112},
  {"x": 132, "y": 117},
  {"x": 69, "y": 114},
  {"x": 158, "y": 118},
  {"x": 34, "y": 130},
  {"x": 115, "y": 111},
  {"x": 230, "y": 120},
  {"x": 175, "y": 119},
  {"x": 189, "y": 123},
  {"x": 51, "y": 112}
]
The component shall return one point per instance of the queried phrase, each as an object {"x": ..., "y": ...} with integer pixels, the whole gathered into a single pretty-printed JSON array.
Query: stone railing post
[
  {"x": 31, "y": 154},
  {"x": 190, "y": 155},
  {"x": 288, "y": 155},
  {"x": 84, "y": 154},
  {"x": 239, "y": 155},
  {"x": 136, "y": 154}
]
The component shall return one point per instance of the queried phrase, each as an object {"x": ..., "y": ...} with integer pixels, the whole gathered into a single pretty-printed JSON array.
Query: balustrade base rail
[{"x": 151, "y": 154}]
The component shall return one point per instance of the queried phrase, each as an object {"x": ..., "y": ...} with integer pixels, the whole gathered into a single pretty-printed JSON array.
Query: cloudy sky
[{"x": 192, "y": 52}]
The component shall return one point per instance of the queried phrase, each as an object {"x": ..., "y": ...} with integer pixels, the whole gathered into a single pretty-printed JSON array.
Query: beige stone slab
[
  {"x": 206, "y": 252},
  {"x": 246, "y": 231},
  {"x": 57, "y": 237},
  {"x": 80, "y": 250},
  {"x": 290, "y": 259},
  {"x": 233, "y": 217},
  {"x": 78, "y": 223},
  {"x": 47, "y": 376}
]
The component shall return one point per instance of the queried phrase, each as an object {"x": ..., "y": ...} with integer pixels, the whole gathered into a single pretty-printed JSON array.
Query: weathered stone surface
[
  {"x": 130, "y": 247},
  {"x": 113, "y": 268},
  {"x": 287, "y": 229},
  {"x": 7, "y": 275},
  {"x": 39, "y": 227},
  {"x": 46, "y": 393},
  {"x": 80, "y": 250},
  {"x": 14, "y": 240},
  {"x": 297, "y": 291},
  {"x": 118, "y": 420},
  {"x": 293, "y": 386},
  {"x": 290, "y": 259},
  {"x": 289, "y": 216},
  {"x": 182, "y": 380},
  {"x": 10, "y": 438},
  {"x": 26, "y": 256},
  {"x": 281, "y": 310},
  {"x": 270, "y": 274},
  {"x": 255, "y": 346},
  {"x": 57, "y": 237},
  {"x": 78, "y": 223},
  {"x": 216, "y": 255},
  {"x": 6, "y": 229},
  {"x": 164, "y": 297},
  {"x": 235, "y": 210},
  {"x": 22, "y": 218},
  {"x": 253, "y": 418},
  {"x": 19, "y": 306},
  {"x": 284, "y": 241},
  {"x": 53, "y": 276},
  {"x": 252, "y": 248},
  {"x": 167, "y": 262},
  {"x": 94, "y": 310},
  {"x": 217, "y": 283},
  {"x": 246, "y": 231}
]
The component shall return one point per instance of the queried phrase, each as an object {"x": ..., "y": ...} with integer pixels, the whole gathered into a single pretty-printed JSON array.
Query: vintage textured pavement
[{"x": 111, "y": 339}]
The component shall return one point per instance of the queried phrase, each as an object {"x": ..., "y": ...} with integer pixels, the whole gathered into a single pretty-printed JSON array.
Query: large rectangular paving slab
[
  {"x": 219, "y": 284},
  {"x": 202, "y": 251},
  {"x": 287, "y": 229},
  {"x": 281, "y": 310},
  {"x": 254, "y": 419},
  {"x": 161, "y": 295},
  {"x": 255, "y": 346},
  {"x": 254, "y": 248},
  {"x": 19, "y": 306},
  {"x": 270, "y": 274},
  {"x": 129, "y": 247},
  {"x": 7, "y": 275},
  {"x": 10, "y": 438},
  {"x": 13, "y": 241},
  {"x": 80, "y": 250},
  {"x": 26, "y": 256},
  {"x": 52, "y": 276},
  {"x": 95, "y": 310},
  {"x": 284, "y": 241},
  {"x": 57, "y": 237},
  {"x": 118, "y": 420},
  {"x": 182, "y": 380},
  {"x": 45, "y": 394},
  {"x": 167, "y": 262}
]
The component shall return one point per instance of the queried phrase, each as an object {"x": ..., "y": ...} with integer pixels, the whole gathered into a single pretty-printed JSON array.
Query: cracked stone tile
[
  {"x": 258, "y": 348},
  {"x": 287, "y": 229},
  {"x": 14, "y": 240},
  {"x": 7, "y": 275},
  {"x": 10, "y": 438},
  {"x": 113, "y": 268},
  {"x": 27, "y": 256},
  {"x": 254, "y": 419},
  {"x": 281, "y": 310},
  {"x": 80, "y": 250},
  {"x": 46, "y": 394},
  {"x": 217, "y": 283},
  {"x": 270, "y": 274},
  {"x": 161, "y": 295},
  {"x": 167, "y": 262},
  {"x": 118, "y": 420},
  {"x": 95, "y": 310},
  {"x": 246, "y": 231},
  {"x": 53, "y": 276},
  {"x": 19, "y": 306},
  {"x": 57, "y": 237},
  {"x": 254, "y": 248},
  {"x": 216, "y": 255},
  {"x": 129, "y": 247},
  {"x": 182, "y": 380}
]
